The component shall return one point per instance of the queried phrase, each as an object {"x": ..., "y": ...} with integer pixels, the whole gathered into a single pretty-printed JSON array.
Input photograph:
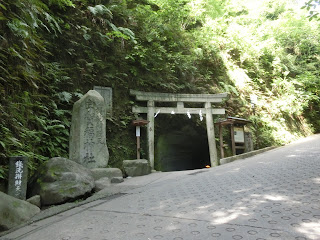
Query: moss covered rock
[
  {"x": 63, "y": 180},
  {"x": 14, "y": 212}
]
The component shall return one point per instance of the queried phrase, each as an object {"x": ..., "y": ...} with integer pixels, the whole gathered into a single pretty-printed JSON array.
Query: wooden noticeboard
[{"x": 237, "y": 133}]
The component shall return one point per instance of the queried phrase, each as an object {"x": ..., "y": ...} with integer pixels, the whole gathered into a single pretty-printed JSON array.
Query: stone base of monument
[
  {"x": 111, "y": 173},
  {"x": 137, "y": 167}
]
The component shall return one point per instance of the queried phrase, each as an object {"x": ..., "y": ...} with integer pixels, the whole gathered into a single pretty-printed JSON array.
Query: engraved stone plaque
[
  {"x": 18, "y": 177},
  {"x": 106, "y": 93}
]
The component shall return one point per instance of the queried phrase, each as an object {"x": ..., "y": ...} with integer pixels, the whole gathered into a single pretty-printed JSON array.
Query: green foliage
[
  {"x": 100, "y": 10},
  {"x": 313, "y": 8},
  {"x": 61, "y": 3},
  {"x": 53, "y": 51},
  {"x": 266, "y": 47},
  {"x": 30, "y": 118}
]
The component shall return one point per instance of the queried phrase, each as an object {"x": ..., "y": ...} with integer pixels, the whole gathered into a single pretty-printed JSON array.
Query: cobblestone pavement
[{"x": 274, "y": 195}]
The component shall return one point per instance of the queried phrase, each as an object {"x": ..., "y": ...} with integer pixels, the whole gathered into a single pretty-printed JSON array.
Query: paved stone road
[{"x": 274, "y": 195}]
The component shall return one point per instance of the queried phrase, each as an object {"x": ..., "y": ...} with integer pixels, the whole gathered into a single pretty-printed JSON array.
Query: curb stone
[{"x": 245, "y": 155}]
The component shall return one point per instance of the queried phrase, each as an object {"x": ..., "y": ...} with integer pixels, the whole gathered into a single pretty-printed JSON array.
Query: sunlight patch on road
[
  {"x": 275, "y": 198},
  {"x": 317, "y": 180},
  {"x": 226, "y": 217},
  {"x": 289, "y": 156},
  {"x": 312, "y": 229}
]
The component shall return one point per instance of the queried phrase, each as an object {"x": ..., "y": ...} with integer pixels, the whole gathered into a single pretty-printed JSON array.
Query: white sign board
[
  {"x": 137, "y": 131},
  {"x": 238, "y": 135}
]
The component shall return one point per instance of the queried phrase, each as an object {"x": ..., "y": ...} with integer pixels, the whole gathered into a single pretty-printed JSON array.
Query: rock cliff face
[{"x": 14, "y": 212}]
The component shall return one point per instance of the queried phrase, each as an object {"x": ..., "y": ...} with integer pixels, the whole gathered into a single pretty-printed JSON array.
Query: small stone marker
[
  {"x": 18, "y": 177},
  {"x": 248, "y": 142},
  {"x": 106, "y": 93},
  {"x": 87, "y": 144}
]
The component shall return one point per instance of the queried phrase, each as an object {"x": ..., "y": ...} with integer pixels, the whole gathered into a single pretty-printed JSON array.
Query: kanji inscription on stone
[
  {"x": 87, "y": 144},
  {"x": 18, "y": 177}
]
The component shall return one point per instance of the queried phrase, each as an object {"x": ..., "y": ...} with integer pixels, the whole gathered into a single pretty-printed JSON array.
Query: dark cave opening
[{"x": 182, "y": 149}]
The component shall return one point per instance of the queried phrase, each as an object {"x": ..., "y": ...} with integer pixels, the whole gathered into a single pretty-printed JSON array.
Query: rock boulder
[
  {"x": 117, "y": 180},
  {"x": 102, "y": 183},
  {"x": 63, "y": 180},
  {"x": 137, "y": 167},
  {"x": 35, "y": 200},
  {"x": 14, "y": 212}
]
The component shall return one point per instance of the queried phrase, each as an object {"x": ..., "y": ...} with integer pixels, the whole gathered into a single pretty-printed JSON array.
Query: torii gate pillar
[
  {"x": 150, "y": 132},
  {"x": 211, "y": 136}
]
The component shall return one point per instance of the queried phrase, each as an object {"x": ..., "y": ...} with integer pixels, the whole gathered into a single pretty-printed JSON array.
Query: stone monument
[
  {"x": 106, "y": 93},
  {"x": 248, "y": 143},
  {"x": 87, "y": 144},
  {"x": 18, "y": 177}
]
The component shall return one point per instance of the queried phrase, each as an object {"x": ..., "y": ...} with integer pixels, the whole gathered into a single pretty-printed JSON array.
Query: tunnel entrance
[{"x": 183, "y": 149}]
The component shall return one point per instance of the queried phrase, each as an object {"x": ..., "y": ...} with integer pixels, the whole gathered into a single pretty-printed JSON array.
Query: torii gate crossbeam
[{"x": 151, "y": 110}]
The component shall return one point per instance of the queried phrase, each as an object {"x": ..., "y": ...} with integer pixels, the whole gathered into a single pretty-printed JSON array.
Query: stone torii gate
[{"x": 151, "y": 98}]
